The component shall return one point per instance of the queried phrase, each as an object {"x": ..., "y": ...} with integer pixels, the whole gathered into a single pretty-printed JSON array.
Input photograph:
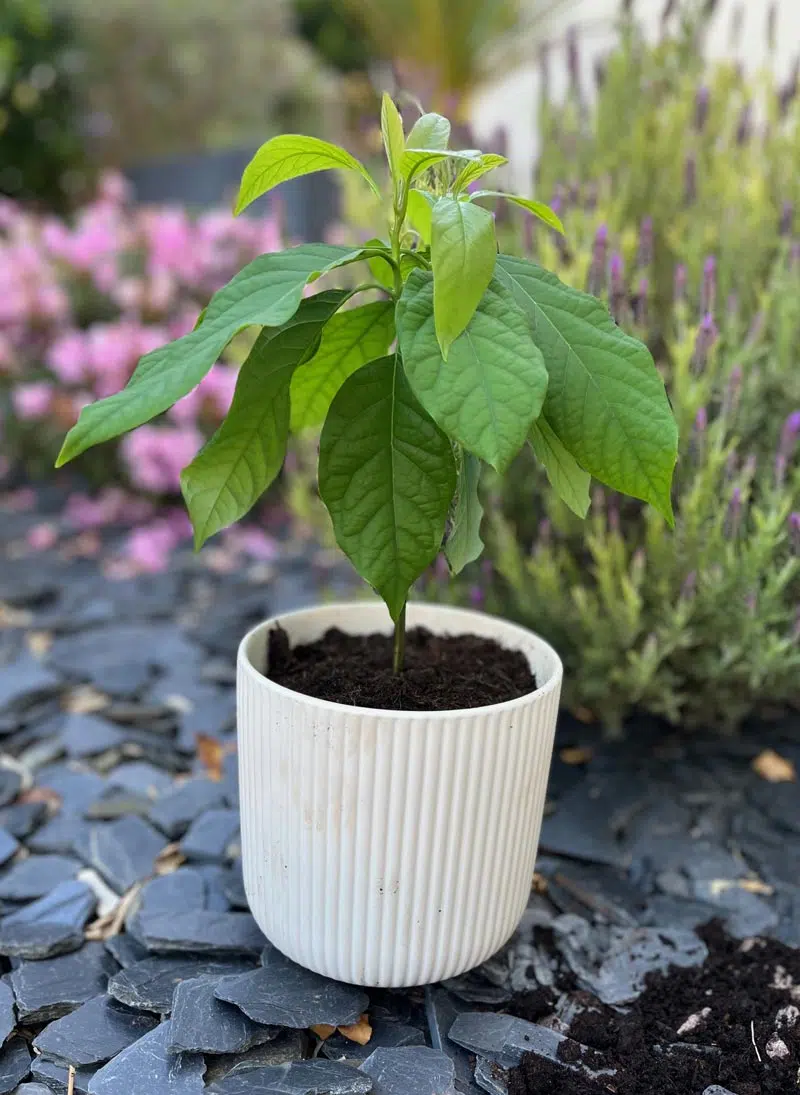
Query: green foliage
[{"x": 480, "y": 336}]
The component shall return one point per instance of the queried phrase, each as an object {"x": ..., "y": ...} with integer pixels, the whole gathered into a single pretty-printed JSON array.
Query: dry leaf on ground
[
  {"x": 576, "y": 755},
  {"x": 360, "y": 1032},
  {"x": 774, "y": 768},
  {"x": 211, "y": 753},
  {"x": 323, "y": 1031}
]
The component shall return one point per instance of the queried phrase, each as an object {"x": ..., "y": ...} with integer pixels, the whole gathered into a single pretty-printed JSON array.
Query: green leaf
[
  {"x": 234, "y": 468},
  {"x": 492, "y": 385},
  {"x": 463, "y": 543},
  {"x": 394, "y": 140},
  {"x": 386, "y": 475},
  {"x": 416, "y": 160},
  {"x": 379, "y": 264},
  {"x": 606, "y": 399},
  {"x": 539, "y": 209},
  {"x": 567, "y": 477},
  {"x": 477, "y": 169},
  {"x": 463, "y": 254},
  {"x": 350, "y": 340},
  {"x": 266, "y": 292},
  {"x": 430, "y": 131},
  {"x": 289, "y": 157},
  {"x": 419, "y": 211}
]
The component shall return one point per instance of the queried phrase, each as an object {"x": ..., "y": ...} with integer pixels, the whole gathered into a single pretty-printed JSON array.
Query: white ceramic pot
[{"x": 390, "y": 848}]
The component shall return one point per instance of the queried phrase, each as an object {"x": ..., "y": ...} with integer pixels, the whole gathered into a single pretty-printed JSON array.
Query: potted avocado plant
[{"x": 393, "y": 756}]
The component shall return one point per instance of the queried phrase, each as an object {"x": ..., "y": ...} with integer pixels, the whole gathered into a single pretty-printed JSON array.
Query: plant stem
[{"x": 400, "y": 642}]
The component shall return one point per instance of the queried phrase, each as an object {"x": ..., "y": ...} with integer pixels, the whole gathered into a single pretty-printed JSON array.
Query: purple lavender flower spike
[
  {"x": 689, "y": 586},
  {"x": 616, "y": 268},
  {"x": 745, "y": 127},
  {"x": 750, "y": 467},
  {"x": 794, "y": 255},
  {"x": 701, "y": 101},
  {"x": 706, "y": 337},
  {"x": 645, "y": 255},
  {"x": 733, "y": 391},
  {"x": 476, "y": 596},
  {"x": 790, "y": 433},
  {"x": 733, "y": 518},
  {"x": 690, "y": 179},
  {"x": 597, "y": 269},
  {"x": 680, "y": 282},
  {"x": 787, "y": 219},
  {"x": 545, "y": 533},
  {"x": 794, "y": 531},
  {"x": 701, "y": 420},
  {"x": 709, "y": 291}
]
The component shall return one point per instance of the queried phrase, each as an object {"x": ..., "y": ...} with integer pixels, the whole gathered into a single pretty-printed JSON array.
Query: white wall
[{"x": 513, "y": 102}]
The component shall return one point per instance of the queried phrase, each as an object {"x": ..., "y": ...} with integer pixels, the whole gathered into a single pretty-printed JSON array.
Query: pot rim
[{"x": 245, "y": 665}]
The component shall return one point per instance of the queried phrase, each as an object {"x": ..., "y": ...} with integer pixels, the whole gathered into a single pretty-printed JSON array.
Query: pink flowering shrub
[{"x": 81, "y": 301}]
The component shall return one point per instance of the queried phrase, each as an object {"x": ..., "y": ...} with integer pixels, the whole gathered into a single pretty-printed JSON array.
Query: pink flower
[
  {"x": 68, "y": 357},
  {"x": 42, "y": 536},
  {"x": 219, "y": 385},
  {"x": 155, "y": 456},
  {"x": 114, "y": 187},
  {"x": 128, "y": 293},
  {"x": 183, "y": 323},
  {"x": 150, "y": 546},
  {"x": 253, "y": 542},
  {"x": 32, "y": 400}
]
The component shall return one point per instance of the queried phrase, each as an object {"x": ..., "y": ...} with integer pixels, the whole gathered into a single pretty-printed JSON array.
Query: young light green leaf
[
  {"x": 419, "y": 211},
  {"x": 416, "y": 160},
  {"x": 463, "y": 253},
  {"x": 477, "y": 169},
  {"x": 567, "y": 477},
  {"x": 430, "y": 131},
  {"x": 232, "y": 471},
  {"x": 606, "y": 399},
  {"x": 492, "y": 385},
  {"x": 386, "y": 475},
  {"x": 380, "y": 264},
  {"x": 463, "y": 542},
  {"x": 394, "y": 140},
  {"x": 539, "y": 209},
  {"x": 289, "y": 157},
  {"x": 266, "y": 292},
  {"x": 350, "y": 340}
]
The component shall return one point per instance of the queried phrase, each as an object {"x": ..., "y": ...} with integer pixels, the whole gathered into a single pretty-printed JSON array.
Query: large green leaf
[
  {"x": 477, "y": 169},
  {"x": 232, "y": 471},
  {"x": 350, "y": 340},
  {"x": 430, "y": 131},
  {"x": 493, "y": 383},
  {"x": 266, "y": 292},
  {"x": 420, "y": 213},
  {"x": 463, "y": 542},
  {"x": 539, "y": 209},
  {"x": 289, "y": 157},
  {"x": 606, "y": 399},
  {"x": 567, "y": 477},
  {"x": 386, "y": 474},
  {"x": 394, "y": 140},
  {"x": 463, "y": 253}
]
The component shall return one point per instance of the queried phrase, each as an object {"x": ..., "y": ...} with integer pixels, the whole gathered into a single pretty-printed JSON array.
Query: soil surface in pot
[
  {"x": 732, "y": 1022},
  {"x": 442, "y": 672}
]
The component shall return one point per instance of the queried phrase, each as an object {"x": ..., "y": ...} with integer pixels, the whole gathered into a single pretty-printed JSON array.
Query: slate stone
[
  {"x": 744, "y": 914},
  {"x": 170, "y": 895},
  {"x": 142, "y": 778},
  {"x": 60, "y": 835},
  {"x": 203, "y": 1024},
  {"x": 441, "y": 1012},
  {"x": 715, "y": 1089},
  {"x": 504, "y": 1039},
  {"x": 36, "y": 876},
  {"x": 640, "y": 952},
  {"x": 94, "y": 1033},
  {"x": 15, "y": 1064},
  {"x": 201, "y": 931},
  {"x": 150, "y": 985},
  {"x": 112, "y": 656},
  {"x": 126, "y": 950},
  {"x": 88, "y": 735},
  {"x": 282, "y": 993},
  {"x": 491, "y": 1077},
  {"x": 580, "y": 829},
  {"x": 213, "y": 715},
  {"x": 8, "y": 1019},
  {"x": 10, "y": 784},
  {"x": 230, "y": 780},
  {"x": 116, "y": 802},
  {"x": 779, "y": 802},
  {"x": 210, "y": 836},
  {"x": 76, "y": 787},
  {"x": 290, "y": 1045},
  {"x": 33, "y": 1089},
  {"x": 412, "y": 1071},
  {"x": 234, "y": 888},
  {"x": 148, "y": 1066},
  {"x": 56, "y": 1077},
  {"x": 50, "y": 926},
  {"x": 319, "y": 1077},
  {"x": 175, "y": 811},
  {"x": 386, "y": 1034},
  {"x": 21, "y": 819},
  {"x": 24, "y": 678},
  {"x": 51, "y": 988},
  {"x": 122, "y": 851},
  {"x": 8, "y": 846},
  {"x": 215, "y": 877}
]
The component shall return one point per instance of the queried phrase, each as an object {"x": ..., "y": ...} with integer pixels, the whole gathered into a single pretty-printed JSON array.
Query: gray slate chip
[
  {"x": 234, "y": 888},
  {"x": 99, "y": 1030},
  {"x": 641, "y": 951},
  {"x": 24, "y": 678},
  {"x": 116, "y": 802},
  {"x": 170, "y": 895},
  {"x": 503, "y": 1038},
  {"x": 36, "y": 876},
  {"x": 715, "y": 1089},
  {"x": 8, "y": 1018},
  {"x": 416, "y": 1070},
  {"x": 203, "y": 1024},
  {"x": 215, "y": 877},
  {"x": 122, "y": 851},
  {"x": 15, "y": 1064},
  {"x": 126, "y": 950},
  {"x": 142, "y": 778},
  {"x": 33, "y": 1089},
  {"x": 175, "y": 811},
  {"x": 210, "y": 836},
  {"x": 386, "y": 1034},
  {"x": 21, "y": 819},
  {"x": 284, "y": 994},
  {"x": 55, "y": 986},
  {"x": 88, "y": 735},
  {"x": 56, "y": 1077},
  {"x": 150, "y": 985},
  {"x": 290, "y": 1045},
  {"x": 148, "y": 1066},
  {"x": 59, "y": 836},
  {"x": 441, "y": 1012},
  {"x": 318, "y": 1077},
  {"x": 77, "y": 787},
  {"x": 8, "y": 846},
  {"x": 52, "y": 925},
  {"x": 201, "y": 931},
  {"x": 491, "y": 1077}
]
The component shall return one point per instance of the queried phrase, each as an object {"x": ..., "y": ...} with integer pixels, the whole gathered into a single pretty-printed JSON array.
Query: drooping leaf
[
  {"x": 463, "y": 543},
  {"x": 430, "y": 131},
  {"x": 420, "y": 210},
  {"x": 350, "y": 340},
  {"x": 290, "y": 156},
  {"x": 416, "y": 160},
  {"x": 471, "y": 172},
  {"x": 492, "y": 385},
  {"x": 539, "y": 209},
  {"x": 567, "y": 477},
  {"x": 394, "y": 140},
  {"x": 463, "y": 253},
  {"x": 386, "y": 475},
  {"x": 234, "y": 468},
  {"x": 266, "y": 292},
  {"x": 606, "y": 399}
]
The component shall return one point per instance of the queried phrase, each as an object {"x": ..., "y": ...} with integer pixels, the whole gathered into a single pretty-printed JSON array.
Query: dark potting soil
[
  {"x": 752, "y": 991},
  {"x": 442, "y": 672}
]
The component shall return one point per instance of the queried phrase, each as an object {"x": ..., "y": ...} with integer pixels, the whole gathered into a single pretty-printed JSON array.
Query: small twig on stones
[
  {"x": 753, "y": 1039},
  {"x": 71, "y": 1081}
]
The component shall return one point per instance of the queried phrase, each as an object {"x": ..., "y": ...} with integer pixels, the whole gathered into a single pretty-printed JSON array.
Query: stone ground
[{"x": 127, "y": 946}]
